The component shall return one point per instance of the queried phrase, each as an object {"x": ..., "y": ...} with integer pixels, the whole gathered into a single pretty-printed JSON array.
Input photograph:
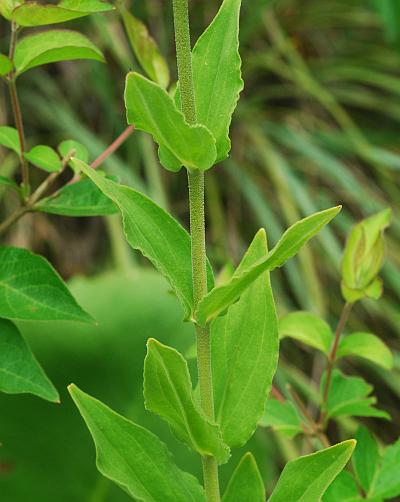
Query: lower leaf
[{"x": 246, "y": 483}]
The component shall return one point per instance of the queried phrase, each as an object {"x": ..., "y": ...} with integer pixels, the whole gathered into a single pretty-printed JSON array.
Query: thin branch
[{"x": 113, "y": 147}]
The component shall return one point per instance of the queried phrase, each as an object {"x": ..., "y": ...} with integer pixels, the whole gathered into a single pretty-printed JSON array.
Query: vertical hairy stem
[{"x": 197, "y": 230}]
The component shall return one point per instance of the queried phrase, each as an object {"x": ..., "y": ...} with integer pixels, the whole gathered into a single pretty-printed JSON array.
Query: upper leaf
[
  {"x": 154, "y": 232},
  {"x": 282, "y": 416},
  {"x": 5, "y": 65},
  {"x": 151, "y": 109},
  {"x": 366, "y": 458},
  {"x": 289, "y": 244},
  {"x": 307, "y": 328},
  {"x": 19, "y": 371},
  {"x": 246, "y": 483},
  {"x": 245, "y": 349},
  {"x": 133, "y": 457},
  {"x": 10, "y": 139},
  {"x": 30, "y": 288},
  {"x": 367, "y": 346},
  {"x": 306, "y": 479},
  {"x": 52, "y": 46},
  {"x": 168, "y": 392},
  {"x": 145, "y": 49},
  {"x": 37, "y": 14},
  {"x": 45, "y": 158},
  {"x": 82, "y": 198}
]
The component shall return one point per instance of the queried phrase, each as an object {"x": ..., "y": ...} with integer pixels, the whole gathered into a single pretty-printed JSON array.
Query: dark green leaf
[
  {"x": 5, "y": 65},
  {"x": 30, "y": 288},
  {"x": 290, "y": 243},
  {"x": 20, "y": 373},
  {"x": 10, "y": 139},
  {"x": 245, "y": 354},
  {"x": 45, "y": 158},
  {"x": 133, "y": 457},
  {"x": 168, "y": 393},
  {"x": 366, "y": 458},
  {"x": 282, "y": 417},
  {"x": 368, "y": 347},
  {"x": 306, "y": 479},
  {"x": 307, "y": 328},
  {"x": 52, "y": 46},
  {"x": 246, "y": 483}
]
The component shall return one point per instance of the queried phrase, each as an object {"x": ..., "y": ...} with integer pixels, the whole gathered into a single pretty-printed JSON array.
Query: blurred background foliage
[{"x": 318, "y": 125}]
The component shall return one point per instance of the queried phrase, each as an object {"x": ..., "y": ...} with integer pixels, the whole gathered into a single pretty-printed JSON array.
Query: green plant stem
[
  {"x": 197, "y": 230},
  {"x": 332, "y": 357}
]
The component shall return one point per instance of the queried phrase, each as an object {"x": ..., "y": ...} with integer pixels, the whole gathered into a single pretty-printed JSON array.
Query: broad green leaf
[
  {"x": 7, "y": 7},
  {"x": 52, "y": 46},
  {"x": 366, "y": 458},
  {"x": 289, "y": 244},
  {"x": 9, "y": 183},
  {"x": 10, "y": 139},
  {"x": 349, "y": 396},
  {"x": 156, "y": 234},
  {"x": 30, "y": 288},
  {"x": 282, "y": 417},
  {"x": 306, "y": 479},
  {"x": 387, "y": 484},
  {"x": 246, "y": 483},
  {"x": 343, "y": 489},
  {"x": 307, "y": 328},
  {"x": 133, "y": 457},
  {"x": 363, "y": 256},
  {"x": 145, "y": 49},
  {"x": 245, "y": 349},
  {"x": 151, "y": 109},
  {"x": 79, "y": 151},
  {"x": 168, "y": 393},
  {"x": 367, "y": 346},
  {"x": 82, "y": 198},
  {"x": 5, "y": 65},
  {"x": 20, "y": 373},
  {"x": 45, "y": 158},
  {"x": 38, "y": 14}
]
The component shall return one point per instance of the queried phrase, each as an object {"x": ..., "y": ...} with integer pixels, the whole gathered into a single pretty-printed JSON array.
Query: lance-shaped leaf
[
  {"x": 145, "y": 49},
  {"x": 38, "y": 14},
  {"x": 283, "y": 417},
  {"x": 387, "y": 485},
  {"x": 45, "y": 158},
  {"x": 151, "y": 109},
  {"x": 168, "y": 392},
  {"x": 155, "y": 233},
  {"x": 9, "y": 138},
  {"x": 133, "y": 457},
  {"x": 246, "y": 483},
  {"x": 367, "y": 346},
  {"x": 306, "y": 478},
  {"x": 366, "y": 458},
  {"x": 289, "y": 244},
  {"x": 82, "y": 198},
  {"x": 30, "y": 288},
  {"x": 245, "y": 347},
  {"x": 350, "y": 396},
  {"x": 343, "y": 488},
  {"x": 20, "y": 373},
  {"x": 52, "y": 46},
  {"x": 5, "y": 65},
  {"x": 307, "y": 328}
]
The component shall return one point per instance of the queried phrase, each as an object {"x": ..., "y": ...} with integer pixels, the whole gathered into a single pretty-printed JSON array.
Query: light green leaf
[
  {"x": 145, "y": 49},
  {"x": 168, "y": 393},
  {"x": 30, "y": 288},
  {"x": 306, "y": 479},
  {"x": 45, "y": 158},
  {"x": 154, "y": 232},
  {"x": 289, "y": 244},
  {"x": 366, "y": 458},
  {"x": 7, "y": 7},
  {"x": 10, "y": 139},
  {"x": 246, "y": 483},
  {"x": 282, "y": 417},
  {"x": 9, "y": 183},
  {"x": 363, "y": 257},
  {"x": 307, "y": 328},
  {"x": 217, "y": 76},
  {"x": 20, "y": 373},
  {"x": 5, "y": 65},
  {"x": 151, "y": 109},
  {"x": 388, "y": 483},
  {"x": 69, "y": 145},
  {"x": 82, "y": 198},
  {"x": 133, "y": 457},
  {"x": 343, "y": 489},
  {"x": 37, "y": 14},
  {"x": 52, "y": 46},
  {"x": 367, "y": 346},
  {"x": 245, "y": 349},
  {"x": 350, "y": 396}
]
